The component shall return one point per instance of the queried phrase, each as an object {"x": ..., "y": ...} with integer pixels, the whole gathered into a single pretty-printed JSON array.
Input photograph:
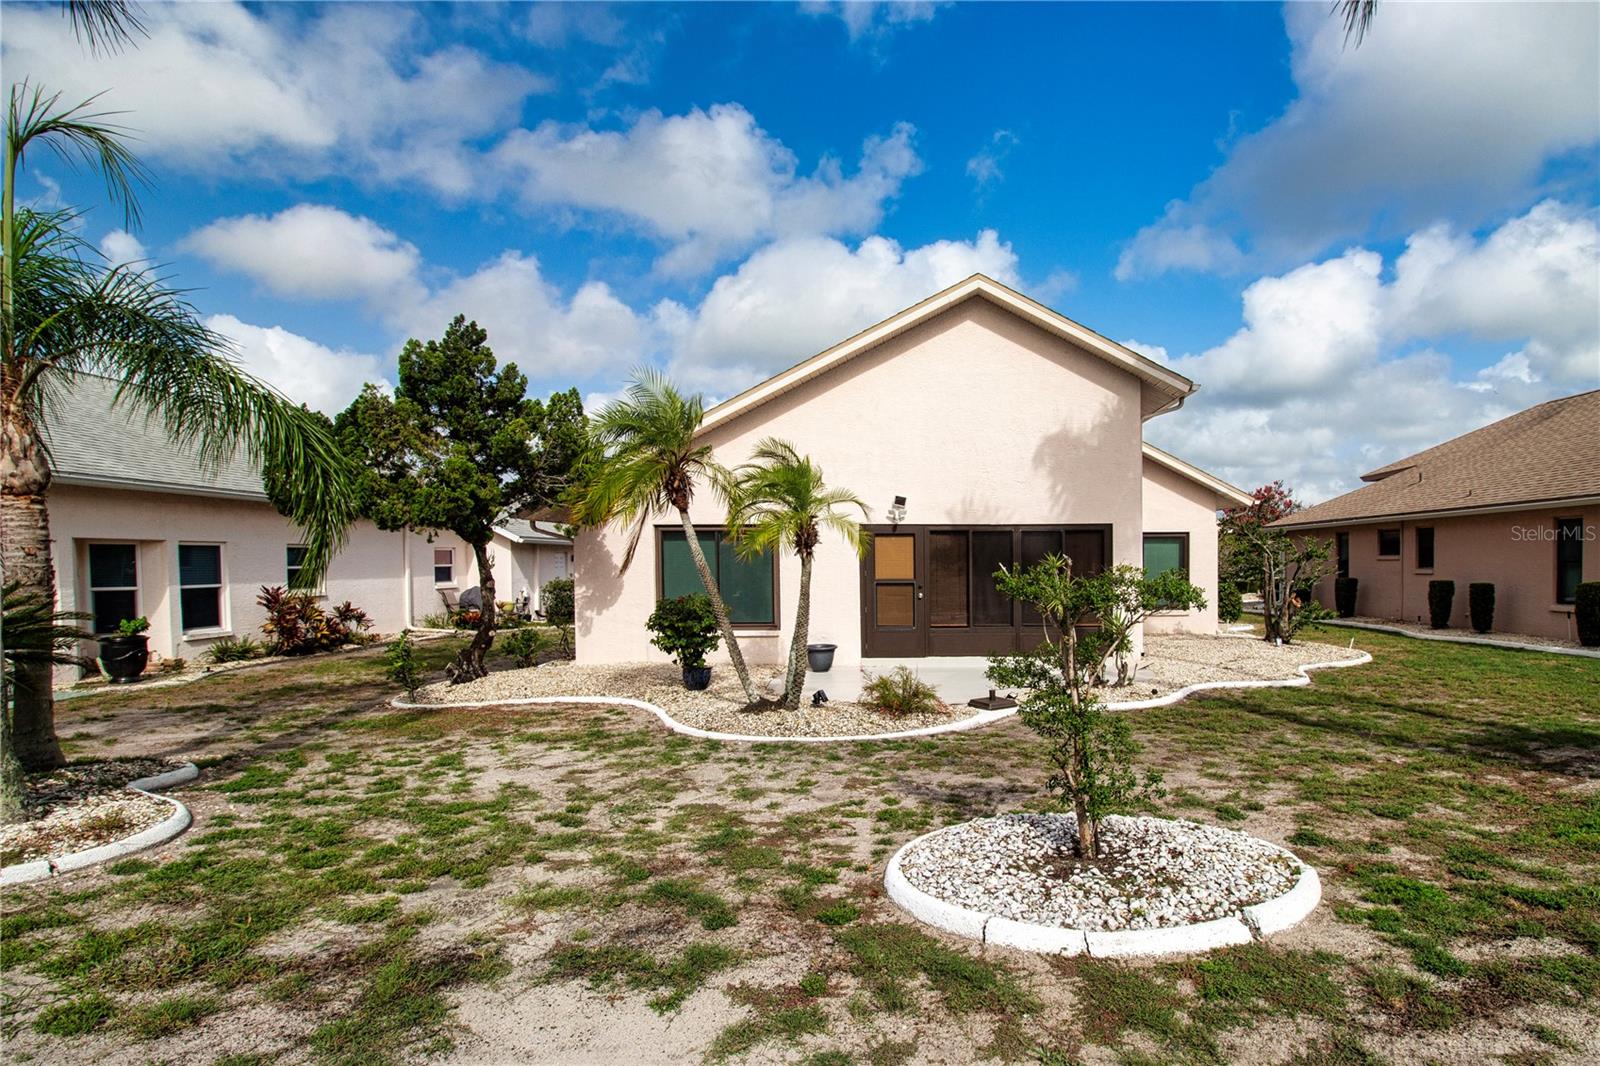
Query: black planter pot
[
  {"x": 124, "y": 658},
  {"x": 820, "y": 657},
  {"x": 697, "y": 678}
]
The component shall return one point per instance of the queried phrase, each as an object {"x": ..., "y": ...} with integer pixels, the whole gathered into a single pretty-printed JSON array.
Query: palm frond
[
  {"x": 780, "y": 498},
  {"x": 31, "y": 631},
  {"x": 1357, "y": 17},
  {"x": 105, "y": 25},
  {"x": 78, "y": 136}
]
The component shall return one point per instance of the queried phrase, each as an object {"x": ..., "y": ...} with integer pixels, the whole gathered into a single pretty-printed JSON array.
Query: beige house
[
  {"x": 1516, "y": 503},
  {"x": 983, "y": 429},
  {"x": 139, "y": 528}
]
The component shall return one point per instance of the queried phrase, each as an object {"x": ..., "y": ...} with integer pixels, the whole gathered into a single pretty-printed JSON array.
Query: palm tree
[
  {"x": 34, "y": 634},
  {"x": 646, "y": 463},
  {"x": 64, "y": 313},
  {"x": 780, "y": 499}
]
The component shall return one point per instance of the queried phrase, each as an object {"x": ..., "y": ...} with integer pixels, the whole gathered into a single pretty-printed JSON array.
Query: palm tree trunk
[
  {"x": 469, "y": 664},
  {"x": 25, "y": 558},
  {"x": 718, "y": 608},
  {"x": 794, "y": 681}
]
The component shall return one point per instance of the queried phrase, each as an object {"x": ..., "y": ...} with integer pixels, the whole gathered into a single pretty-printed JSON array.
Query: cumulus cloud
[
  {"x": 315, "y": 252},
  {"x": 796, "y": 297},
  {"x": 351, "y": 89},
  {"x": 1451, "y": 109},
  {"x": 323, "y": 378},
  {"x": 984, "y": 167},
  {"x": 711, "y": 182},
  {"x": 121, "y": 247},
  {"x": 1318, "y": 385}
]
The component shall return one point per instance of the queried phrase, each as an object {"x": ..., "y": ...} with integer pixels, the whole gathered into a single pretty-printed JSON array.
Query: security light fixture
[{"x": 897, "y": 511}]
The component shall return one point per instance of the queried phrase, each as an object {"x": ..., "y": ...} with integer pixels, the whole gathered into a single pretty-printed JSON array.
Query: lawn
[{"x": 577, "y": 884}]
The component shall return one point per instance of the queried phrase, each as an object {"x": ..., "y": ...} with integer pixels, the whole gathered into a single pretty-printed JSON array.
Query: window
[
  {"x": 1166, "y": 551},
  {"x": 444, "y": 566},
  {"x": 1388, "y": 544},
  {"x": 294, "y": 562},
  {"x": 200, "y": 586},
  {"x": 1569, "y": 558},
  {"x": 749, "y": 586},
  {"x": 113, "y": 585},
  {"x": 1343, "y": 540},
  {"x": 1424, "y": 547}
]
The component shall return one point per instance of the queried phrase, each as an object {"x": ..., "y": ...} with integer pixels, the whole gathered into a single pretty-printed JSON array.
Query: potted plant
[
  {"x": 686, "y": 629},
  {"x": 123, "y": 655}
]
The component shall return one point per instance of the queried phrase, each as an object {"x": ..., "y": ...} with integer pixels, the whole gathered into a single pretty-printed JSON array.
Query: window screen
[
  {"x": 1163, "y": 552},
  {"x": 746, "y": 584},
  {"x": 113, "y": 585},
  {"x": 947, "y": 579},
  {"x": 991, "y": 549},
  {"x": 200, "y": 585},
  {"x": 1569, "y": 558}
]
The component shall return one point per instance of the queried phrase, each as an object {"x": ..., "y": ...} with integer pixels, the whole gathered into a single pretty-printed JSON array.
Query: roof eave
[{"x": 1443, "y": 512}]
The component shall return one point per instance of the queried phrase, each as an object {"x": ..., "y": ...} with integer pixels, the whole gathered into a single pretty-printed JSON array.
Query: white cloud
[
  {"x": 867, "y": 19},
  {"x": 305, "y": 371},
  {"x": 712, "y": 182},
  {"x": 349, "y": 90},
  {"x": 984, "y": 167},
  {"x": 1149, "y": 351},
  {"x": 1446, "y": 109},
  {"x": 1316, "y": 386},
  {"x": 121, "y": 248},
  {"x": 795, "y": 297},
  {"x": 314, "y": 252}
]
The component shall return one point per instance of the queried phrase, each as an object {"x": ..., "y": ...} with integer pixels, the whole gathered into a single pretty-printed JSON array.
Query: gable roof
[
  {"x": 1223, "y": 489},
  {"x": 1170, "y": 387},
  {"x": 522, "y": 531},
  {"x": 1547, "y": 454}
]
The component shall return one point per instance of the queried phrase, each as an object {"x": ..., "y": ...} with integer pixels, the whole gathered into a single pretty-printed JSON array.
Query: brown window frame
[
  {"x": 1183, "y": 548},
  {"x": 1576, "y": 520},
  {"x": 722, "y": 531},
  {"x": 1399, "y": 542},
  {"x": 1416, "y": 547}
]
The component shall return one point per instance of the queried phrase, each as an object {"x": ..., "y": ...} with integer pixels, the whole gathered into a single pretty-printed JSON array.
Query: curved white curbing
[
  {"x": 160, "y": 833},
  {"x": 975, "y": 721},
  {"x": 1462, "y": 638},
  {"x": 1254, "y": 922}
]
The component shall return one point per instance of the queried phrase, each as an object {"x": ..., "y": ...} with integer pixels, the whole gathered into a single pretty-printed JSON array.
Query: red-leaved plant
[{"x": 296, "y": 624}]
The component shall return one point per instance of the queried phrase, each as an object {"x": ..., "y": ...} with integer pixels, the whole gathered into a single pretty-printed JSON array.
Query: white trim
[
  {"x": 1195, "y": 474},
  {"x": 1147, "y": 370},
  {"x": 1451, "y": 638},
  {"x": 136, "y": 485}
]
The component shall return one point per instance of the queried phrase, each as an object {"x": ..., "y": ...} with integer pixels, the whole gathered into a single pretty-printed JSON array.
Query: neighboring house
[
  {"x": 140, "y": 528},
  {"x": 1005, "y": 431},
  {"x": 1516, "y": 503}
]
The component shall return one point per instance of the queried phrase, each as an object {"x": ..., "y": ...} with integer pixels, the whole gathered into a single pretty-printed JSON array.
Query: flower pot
[
  {"x": 124, "y": 658},
  {"x": 697, "y": 678},
  {"x": 820, "y": 657}
]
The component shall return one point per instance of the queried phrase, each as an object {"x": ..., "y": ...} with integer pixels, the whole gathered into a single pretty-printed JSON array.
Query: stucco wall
[
  {"x": 974, "y": 416},
  {"x": 1176, "y": 504},
  {"x": 1506, "y": 549}
]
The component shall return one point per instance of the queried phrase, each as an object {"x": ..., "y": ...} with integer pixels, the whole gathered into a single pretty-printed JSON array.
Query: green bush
[
  {"x": 684, "y": 628},
  {"x": 1441, "y": 597},
  {"x": 401, "y": 666},
  {"x": 558, "y": 602},
  {"x": 1230, "y": 602},
  {"x": 1344, "y": 595},
  {"x": 900, "y": 692},
  {"x": 132, "y": 627},
  {"x": 525, "y": 645},
  {"x": 297, "y": 624},
  {"x": 1588, "y": 614},
  {"x": 1480, "y": 603},
  {"x": 235, "y": 650}
]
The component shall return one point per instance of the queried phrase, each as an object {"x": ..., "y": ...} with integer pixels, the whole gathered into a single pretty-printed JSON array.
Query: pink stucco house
[
  {"x": 139, "y": 527},
  {"x": 1516, "y": 503},
  {"x": 983, "y": 429}
]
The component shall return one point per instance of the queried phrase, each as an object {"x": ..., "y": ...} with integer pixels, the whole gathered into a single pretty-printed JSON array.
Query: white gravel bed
[
  {"x": 718, "y": 709},
  {"x": 1178, "y": 660},
  {"x": 1155, "y": 873},
  {"x": 82, "y": 806}
]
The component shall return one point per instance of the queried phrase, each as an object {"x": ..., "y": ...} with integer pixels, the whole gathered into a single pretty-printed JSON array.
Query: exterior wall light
[{"x": 897, "y": 511}]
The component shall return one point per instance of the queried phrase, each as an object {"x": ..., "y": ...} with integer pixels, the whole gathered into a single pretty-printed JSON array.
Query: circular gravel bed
[
  {"x": 1155, "y": 875},
  {"x": 82, "y": 806}
]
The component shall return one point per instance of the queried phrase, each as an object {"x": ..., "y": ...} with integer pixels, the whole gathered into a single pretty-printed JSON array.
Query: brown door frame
[{"x": 922, "y": 639}]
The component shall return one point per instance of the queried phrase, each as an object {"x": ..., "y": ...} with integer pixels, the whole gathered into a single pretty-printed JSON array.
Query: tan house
[
  {"x": 140, "y": 528},
  {"x": 983, "y": 429},
  {"x": 1516, "y": 503}
]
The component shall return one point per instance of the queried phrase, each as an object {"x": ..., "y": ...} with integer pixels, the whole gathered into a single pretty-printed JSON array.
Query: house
[
  {"x": 983, "y": 429},
  {"x": 141, "y": 528},
  {"x": 1516, "y": 503}
]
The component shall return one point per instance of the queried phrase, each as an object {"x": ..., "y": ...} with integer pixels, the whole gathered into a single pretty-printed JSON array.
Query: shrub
[
  {"x": 234, "y": 650},
  {"x": 401, "y": 666},
  {"x": 1230, "y": 602},
  {"x": 132, "y": 627},
  {"x": 297, "y": 625},
  {"x": 685, "y": 629},
  {"x": 1344, "y": 595},
  {"x": 525, "y": 645},
  {"x": 1480, "y": 603},
  {"x": 899, "y": 692},
  {"x": 558, "y": 601},
  {"x": 174, "y": 665},
  {"x": 1441, "y": 597},
  {"x": 1587, "y": 609}
]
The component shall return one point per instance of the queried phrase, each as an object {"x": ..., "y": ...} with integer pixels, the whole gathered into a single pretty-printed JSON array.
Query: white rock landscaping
[{"x": 1162, "y": 885}]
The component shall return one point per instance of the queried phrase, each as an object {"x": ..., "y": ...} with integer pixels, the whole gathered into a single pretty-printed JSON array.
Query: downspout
[{"x": 406, "y": 591}]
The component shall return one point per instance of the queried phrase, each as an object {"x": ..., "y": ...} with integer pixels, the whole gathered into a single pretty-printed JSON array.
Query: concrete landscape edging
[
  {"x": 1252, "y": 923},
  {"x": 163, "y": 831},
  {"x": 1463, "y": 638}
]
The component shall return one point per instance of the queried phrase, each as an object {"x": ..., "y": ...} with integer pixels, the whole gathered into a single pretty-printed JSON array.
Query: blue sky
[{"x": 1356, "y": 251}]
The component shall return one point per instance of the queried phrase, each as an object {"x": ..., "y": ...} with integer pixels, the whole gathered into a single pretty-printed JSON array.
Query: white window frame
[
  {"x": 89, "y": 574},
  {"x": 318, "y": 589},
  {"x": 224, "y": 625},
  {"x": 451, "y": 582}
]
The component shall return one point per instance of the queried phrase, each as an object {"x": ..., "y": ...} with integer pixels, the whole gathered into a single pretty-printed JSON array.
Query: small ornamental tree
[
  {"x": 458, "y": 448},
  {"x": 1090, "y": 750},
  {"x": 1287, "y": 566},
  {"x": 401, "y": 666},
  {"x": 1132, "y": 595}
]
